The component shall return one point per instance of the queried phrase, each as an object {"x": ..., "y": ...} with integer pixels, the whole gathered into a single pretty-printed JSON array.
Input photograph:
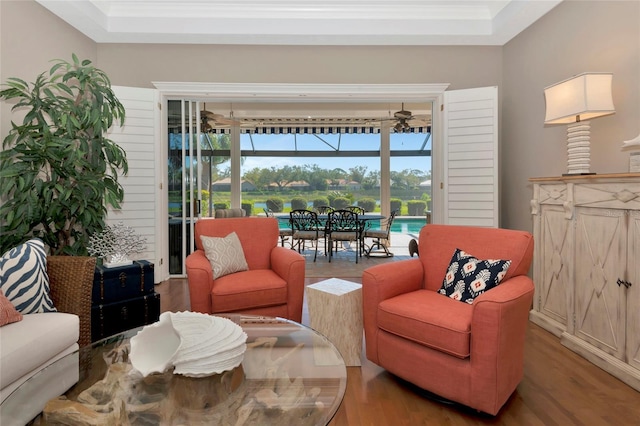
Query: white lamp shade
[{"x": 578, "y": 98}]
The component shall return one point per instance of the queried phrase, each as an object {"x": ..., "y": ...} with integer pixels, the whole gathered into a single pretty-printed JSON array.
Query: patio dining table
[
  {"x": 366, "y": 219},
  {"x": 283, "y": 218}
]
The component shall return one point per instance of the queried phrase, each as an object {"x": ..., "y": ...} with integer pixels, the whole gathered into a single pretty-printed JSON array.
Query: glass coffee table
[{"x": 290, "y": 374}]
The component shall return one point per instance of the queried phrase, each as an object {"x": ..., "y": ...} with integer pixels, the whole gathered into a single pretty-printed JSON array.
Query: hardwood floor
[{"x": 559, "y": 387}]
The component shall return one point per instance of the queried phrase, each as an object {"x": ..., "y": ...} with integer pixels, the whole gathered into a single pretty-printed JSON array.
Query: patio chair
[
  {"x": 360, "y": 211},
  {"x": 305, "y": 227},
  {"x": 323, "y": 209},
  {"x": 381, "y": 249},
  {"x": 344, "y": 225},
  {"x": 355, "y": 209},
  {"x": 285, "y": 233}
]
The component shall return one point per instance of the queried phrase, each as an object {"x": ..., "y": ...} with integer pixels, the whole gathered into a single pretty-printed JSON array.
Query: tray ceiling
[{"x": 301, "y": 22}]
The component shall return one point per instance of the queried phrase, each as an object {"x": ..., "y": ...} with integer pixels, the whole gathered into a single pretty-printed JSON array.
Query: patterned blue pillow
[
  {"x": 24, "y": 280},
  {"x": 468, "y": 277}
]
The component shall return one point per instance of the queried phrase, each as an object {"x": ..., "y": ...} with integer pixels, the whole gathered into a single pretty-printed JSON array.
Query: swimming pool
[{"x": 407, "y": 225}]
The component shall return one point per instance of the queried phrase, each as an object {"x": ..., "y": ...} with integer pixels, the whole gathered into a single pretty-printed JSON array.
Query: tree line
[{"x": 321, "y": 179}]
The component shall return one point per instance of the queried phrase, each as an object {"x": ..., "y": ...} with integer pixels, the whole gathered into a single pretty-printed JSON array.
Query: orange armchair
[
  {"x": 472, "y": 354},
  {"x": 272, "y": 286}
]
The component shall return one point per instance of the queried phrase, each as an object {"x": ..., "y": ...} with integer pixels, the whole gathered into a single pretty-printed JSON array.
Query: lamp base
[
  {"x": 579, "y": 174},
  {"x": 578, "y": 148}
]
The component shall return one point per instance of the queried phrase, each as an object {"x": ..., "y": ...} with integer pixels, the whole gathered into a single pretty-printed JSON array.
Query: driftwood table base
[{"x": 124, "y": 397}]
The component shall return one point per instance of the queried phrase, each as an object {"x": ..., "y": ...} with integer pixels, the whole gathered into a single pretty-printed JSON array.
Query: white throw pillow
[
  {"x": 23, "y": 278},
  {"x": 225, "y": 254}
]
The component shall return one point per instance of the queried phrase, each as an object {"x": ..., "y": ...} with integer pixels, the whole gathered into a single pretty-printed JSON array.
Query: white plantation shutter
[
  {"x": 139, "y": 137},
  {"x": 471, "y": 157}
]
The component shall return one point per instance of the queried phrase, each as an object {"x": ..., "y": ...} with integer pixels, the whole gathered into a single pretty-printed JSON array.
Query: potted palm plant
[{"x": 58, "y": 169}]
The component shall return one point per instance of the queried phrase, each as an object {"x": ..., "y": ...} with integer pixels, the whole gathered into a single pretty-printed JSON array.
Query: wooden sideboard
[{"x": 587, "y": 267}]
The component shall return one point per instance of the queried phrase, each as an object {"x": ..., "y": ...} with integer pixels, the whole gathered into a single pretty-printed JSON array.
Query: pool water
[{"x": 408, "y": 225}]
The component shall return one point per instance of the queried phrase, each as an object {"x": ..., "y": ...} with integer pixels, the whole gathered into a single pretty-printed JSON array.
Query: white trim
[
  {"x": 437, "y": 167},
  {"x": 309, "y": 22},
  {"x": 236, "y": 166},
  {"x": 385, "y": 168},
  {"x": 283, "y": 92},
  {"x": 162, "y": 201}
]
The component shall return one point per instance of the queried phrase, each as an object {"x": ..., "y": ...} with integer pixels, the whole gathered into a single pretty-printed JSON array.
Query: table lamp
[{"x": 574, "y": 102}]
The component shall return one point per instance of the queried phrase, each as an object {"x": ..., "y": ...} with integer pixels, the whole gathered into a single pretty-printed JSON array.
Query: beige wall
[
  {"x": 575, "y": 37},
  {"x": 139, "y": 65},
  {"x": 30, "y": 37}
]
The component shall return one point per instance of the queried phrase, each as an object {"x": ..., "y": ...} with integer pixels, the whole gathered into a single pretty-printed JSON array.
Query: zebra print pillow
[{"x": 23, "y": 278}]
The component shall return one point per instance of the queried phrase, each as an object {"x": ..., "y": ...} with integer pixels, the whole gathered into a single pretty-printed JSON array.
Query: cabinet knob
[{"x": 620, "y": 282}]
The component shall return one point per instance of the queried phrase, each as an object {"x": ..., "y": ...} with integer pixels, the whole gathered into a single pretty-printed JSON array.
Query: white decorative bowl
[
  {"x": 210, "y": 344},
  {"x": 155, "y": 346},
  {"x": 195, "y": 344}
]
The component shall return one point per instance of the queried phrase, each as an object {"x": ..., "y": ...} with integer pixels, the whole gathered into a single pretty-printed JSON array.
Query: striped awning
[
  {"x": 283, "y": 126},
  {"x": 313, "y": 130}
]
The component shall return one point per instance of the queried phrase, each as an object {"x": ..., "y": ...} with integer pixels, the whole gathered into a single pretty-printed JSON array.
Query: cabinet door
[
  {"x": 633, "y": 292},
  {"x": 600, "y": 259},
  {"x": 552, "y": 285}
]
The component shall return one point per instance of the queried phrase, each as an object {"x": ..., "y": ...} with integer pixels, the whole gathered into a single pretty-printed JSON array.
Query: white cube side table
[{"x": 335, "y": 310}]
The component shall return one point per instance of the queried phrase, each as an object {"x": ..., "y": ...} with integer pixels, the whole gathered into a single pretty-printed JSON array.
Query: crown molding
[
  {"x": 283, "y": 92},
  {"x": 301, "y": 22}
]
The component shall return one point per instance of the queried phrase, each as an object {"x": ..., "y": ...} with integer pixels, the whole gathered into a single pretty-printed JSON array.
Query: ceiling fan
[
  {"x": 209, "y": 120},
  {"x": 402, "y": 119}
]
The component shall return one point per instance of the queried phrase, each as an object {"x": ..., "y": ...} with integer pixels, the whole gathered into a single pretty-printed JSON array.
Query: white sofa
[
  {"x": 30, "y": 347},
  {"x": 27, "y": 350}
]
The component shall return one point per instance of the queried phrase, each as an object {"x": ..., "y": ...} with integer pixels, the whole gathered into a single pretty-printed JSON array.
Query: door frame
[{"x": 303, "y": 93}]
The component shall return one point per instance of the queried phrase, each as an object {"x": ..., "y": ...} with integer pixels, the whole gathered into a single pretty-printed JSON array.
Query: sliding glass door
[{"x": 193, "y": 165}]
